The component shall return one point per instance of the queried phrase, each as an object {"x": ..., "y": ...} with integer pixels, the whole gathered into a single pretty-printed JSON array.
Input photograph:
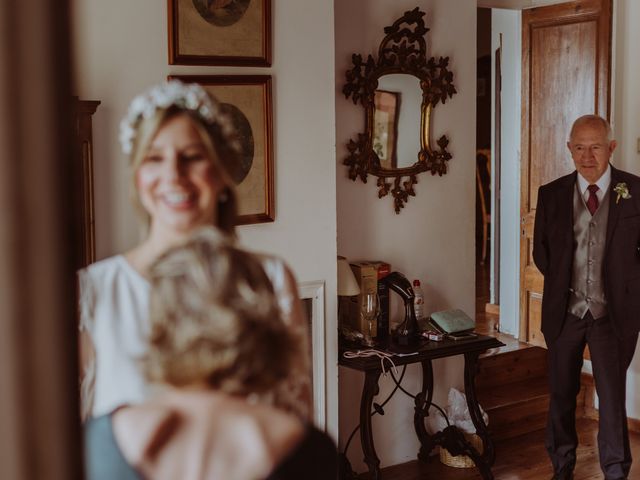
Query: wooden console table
[{"x": 451, "y": 437}]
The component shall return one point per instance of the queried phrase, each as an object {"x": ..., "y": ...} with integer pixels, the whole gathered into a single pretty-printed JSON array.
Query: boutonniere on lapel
[{"x": 622, "y": 190}]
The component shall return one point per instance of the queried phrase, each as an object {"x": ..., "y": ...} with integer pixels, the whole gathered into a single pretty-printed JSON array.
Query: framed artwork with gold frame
[
  {"x": 247, "y": 99},
  {"x": 220, "y": 32}
]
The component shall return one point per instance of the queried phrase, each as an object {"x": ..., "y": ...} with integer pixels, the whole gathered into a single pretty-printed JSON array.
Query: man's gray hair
[{"x": 595, "y": 120}]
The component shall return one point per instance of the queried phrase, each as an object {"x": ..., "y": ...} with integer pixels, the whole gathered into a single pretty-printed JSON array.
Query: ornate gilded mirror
[{"x": 399, "y": 91}]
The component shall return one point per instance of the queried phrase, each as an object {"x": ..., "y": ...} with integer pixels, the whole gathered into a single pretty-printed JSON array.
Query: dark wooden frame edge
[{"x": 176, "y": 59}]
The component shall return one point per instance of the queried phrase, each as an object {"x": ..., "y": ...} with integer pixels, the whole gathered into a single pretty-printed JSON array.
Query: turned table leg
[
  {"x": 422, "y": 404},
  {"x": 470, "y": 369},
  {"x": 369, "y": 390}
]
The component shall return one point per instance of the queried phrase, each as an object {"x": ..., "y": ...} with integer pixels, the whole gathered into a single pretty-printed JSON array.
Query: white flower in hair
[{"x": 190, "y": 97}]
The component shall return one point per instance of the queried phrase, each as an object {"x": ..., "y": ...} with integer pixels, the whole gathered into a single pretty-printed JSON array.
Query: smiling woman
[
  {"x": 177, "y": 181},
  {"x": 183, "y": 150}
]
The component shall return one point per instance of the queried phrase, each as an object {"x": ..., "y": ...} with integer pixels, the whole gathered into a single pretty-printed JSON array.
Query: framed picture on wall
[
  {"x": 247, "y": 99},
  {"x": 220, "y": 32}
]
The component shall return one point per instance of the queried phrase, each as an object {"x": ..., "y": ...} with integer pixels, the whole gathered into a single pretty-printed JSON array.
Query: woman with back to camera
[
  {"x": 183, "y": 153},
  {"x": 217, "y": 339}
]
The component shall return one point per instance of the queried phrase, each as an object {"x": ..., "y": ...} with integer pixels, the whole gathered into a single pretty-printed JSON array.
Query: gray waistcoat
[{"x": 589, "y": 234}]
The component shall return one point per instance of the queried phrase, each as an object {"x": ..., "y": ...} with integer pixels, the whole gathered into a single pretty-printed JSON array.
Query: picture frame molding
[
  {"x": 315, "y": 292},
  {"x": 176, "y": 58}
]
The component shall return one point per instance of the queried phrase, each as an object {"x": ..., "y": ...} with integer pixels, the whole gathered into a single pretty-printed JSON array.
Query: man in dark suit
[{"x": 587, "y": 246}]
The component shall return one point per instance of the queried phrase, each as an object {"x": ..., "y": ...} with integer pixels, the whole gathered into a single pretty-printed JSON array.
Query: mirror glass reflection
[{"x": 396, "y": 135}]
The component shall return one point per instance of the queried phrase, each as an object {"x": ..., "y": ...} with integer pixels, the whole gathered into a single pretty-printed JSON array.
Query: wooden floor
[{"x": 522, "y": 458}]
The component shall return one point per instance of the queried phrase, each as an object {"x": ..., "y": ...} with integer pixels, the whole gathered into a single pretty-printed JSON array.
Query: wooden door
[{"x": 566, "y": 58}]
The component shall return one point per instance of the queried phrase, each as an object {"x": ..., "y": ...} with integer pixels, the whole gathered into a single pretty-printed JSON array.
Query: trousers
[{"x": 610, "y": 359}]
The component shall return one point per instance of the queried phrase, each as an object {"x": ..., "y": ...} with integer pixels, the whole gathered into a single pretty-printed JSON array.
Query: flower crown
[{"x": 191, "y": 97}]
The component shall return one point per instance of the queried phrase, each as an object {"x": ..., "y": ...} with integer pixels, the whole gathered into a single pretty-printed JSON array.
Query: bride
[{"x": 183, "y": 153}]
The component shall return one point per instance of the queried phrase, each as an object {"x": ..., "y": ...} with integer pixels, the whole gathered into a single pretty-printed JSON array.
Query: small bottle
[{"x": 418, "y": 301}]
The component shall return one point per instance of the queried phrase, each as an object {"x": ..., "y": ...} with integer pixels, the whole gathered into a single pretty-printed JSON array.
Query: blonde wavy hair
[{"x": 215, "y": 319}]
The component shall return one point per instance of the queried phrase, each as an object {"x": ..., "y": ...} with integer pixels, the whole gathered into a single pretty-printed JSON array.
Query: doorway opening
[{"x": 487, "y": 313}]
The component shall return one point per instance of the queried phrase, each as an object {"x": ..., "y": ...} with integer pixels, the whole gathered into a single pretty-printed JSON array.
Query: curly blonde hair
[{"x": 215, "y": 319}]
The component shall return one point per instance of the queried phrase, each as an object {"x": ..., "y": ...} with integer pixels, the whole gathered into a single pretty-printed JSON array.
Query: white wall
[
  {"x": 626, "y": 125},
  {"x": 433, "y": 238},
  {"x": 121, "y": 49},
  {"x": 508, "y": 23}
]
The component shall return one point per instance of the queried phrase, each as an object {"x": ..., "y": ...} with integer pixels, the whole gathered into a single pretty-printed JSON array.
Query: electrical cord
[
  {"x": 431, "y": 404},
  {"x": 372, "y": 352},
  {"x": 378, "y": 408}
]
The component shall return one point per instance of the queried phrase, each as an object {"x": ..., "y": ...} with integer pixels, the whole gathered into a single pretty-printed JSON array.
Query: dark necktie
[{"x": 592, "y": 202}]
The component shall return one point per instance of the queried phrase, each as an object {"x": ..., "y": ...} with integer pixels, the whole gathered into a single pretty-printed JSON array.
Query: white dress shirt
[{"x": 603, "y": 185}]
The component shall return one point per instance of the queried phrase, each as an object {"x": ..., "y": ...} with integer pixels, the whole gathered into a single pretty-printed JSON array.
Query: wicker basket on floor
[{"x": 461, "y": 461}]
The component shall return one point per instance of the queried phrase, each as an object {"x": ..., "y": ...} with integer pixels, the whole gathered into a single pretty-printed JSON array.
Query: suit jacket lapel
[
  {"x": 614, "y": 207},
  {"x": 565, "y": 208}
]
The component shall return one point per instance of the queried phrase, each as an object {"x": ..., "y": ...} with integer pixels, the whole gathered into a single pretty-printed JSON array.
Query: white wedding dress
[{"x": 114, "y": 301}]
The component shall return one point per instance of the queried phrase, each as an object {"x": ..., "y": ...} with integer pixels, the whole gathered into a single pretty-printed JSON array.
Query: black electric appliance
[{"x": 407, "y": 334}]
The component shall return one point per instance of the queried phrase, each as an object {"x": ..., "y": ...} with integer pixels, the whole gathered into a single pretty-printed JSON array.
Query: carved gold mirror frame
[{"x": 403, "y": 51}]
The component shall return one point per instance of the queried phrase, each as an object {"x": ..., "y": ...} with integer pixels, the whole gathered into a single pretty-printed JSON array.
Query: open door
[{"x": 566, "y": 61}]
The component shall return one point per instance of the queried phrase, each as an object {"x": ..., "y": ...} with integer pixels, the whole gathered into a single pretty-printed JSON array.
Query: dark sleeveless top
[
  {"x": 314, "y": 458},
  {"x": 102, "y": 456}
]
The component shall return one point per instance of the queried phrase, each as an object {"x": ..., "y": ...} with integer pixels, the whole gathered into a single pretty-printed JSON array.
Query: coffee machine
[{"x": 407, "y": 335}]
